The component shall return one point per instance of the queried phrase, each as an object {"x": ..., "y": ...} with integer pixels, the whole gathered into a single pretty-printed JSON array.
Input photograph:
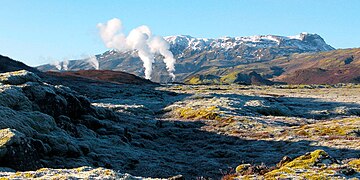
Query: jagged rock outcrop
[
  {"x": 7, "y": 65},
  {"x": 17, "y": 151},
  {"x": 39, "y": 120},
  {"x": 18, "y": 77}
]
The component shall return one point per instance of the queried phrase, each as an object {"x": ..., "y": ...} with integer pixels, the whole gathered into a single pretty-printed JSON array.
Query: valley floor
[
  {"x": 208, "y": 131},
  {"x": 220, "y": 127}
]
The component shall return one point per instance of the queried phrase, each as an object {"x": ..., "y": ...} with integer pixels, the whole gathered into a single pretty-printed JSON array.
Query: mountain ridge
[{"x": 195, "y": 54}]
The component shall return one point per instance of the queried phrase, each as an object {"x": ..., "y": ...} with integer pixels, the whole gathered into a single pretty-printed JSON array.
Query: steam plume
[
  {"x": 57, "y": 65},
  {"x": 160, "y": 46},
  {"x": 141, "y": 40},
  {"x": 65, "y": 65},
  {"x": 94, "y": 62}
]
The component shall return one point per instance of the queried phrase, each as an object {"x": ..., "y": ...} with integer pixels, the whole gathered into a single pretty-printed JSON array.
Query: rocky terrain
[
  {"x": 203, "y": 56},
  {"x": 85, "y": 126}
]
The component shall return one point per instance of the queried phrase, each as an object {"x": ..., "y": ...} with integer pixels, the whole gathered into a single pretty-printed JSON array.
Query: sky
[{"x": 42, "y": 31}]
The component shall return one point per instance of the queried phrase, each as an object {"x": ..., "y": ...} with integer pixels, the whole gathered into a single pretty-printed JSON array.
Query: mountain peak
[
  {"x": 193, "y": 54},
  {"x": 304, "y": 41}
]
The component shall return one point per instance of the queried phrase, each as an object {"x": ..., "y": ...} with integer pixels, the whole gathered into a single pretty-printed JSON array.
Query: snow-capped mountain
[
  {"x": 303, "y": 42},
  {"x": 195, "y": 54}
]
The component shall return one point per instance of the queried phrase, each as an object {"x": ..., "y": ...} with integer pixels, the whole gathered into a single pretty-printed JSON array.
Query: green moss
[
  {"x": 211, "y": 112},
  {"x": 242, "y": 167},
  {"x": 28, "y": 175},
  {"x": 306, "y": 161},
  {"x": 336, "y": 128},
  {"x": 229, "y": 78},
  {"x": 108, "y": 172},
  {"x": 194, "y": 80},
  {"x": 42, "y": 170},
  {"x": 279, "y": 172},
  {"x": 4, "y": 140},
  {"x": 315, "y": 176},
  {"x": 355, "y": 164}
]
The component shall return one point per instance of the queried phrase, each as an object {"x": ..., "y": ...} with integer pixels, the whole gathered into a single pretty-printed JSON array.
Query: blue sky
[{"x": 42, "y": 31}]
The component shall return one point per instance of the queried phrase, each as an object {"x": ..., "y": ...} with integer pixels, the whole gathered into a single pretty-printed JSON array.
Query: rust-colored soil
[{"x": 104, "y": 75}]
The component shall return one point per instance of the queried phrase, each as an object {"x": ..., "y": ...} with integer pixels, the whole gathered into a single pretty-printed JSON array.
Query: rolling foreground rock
[
  {"x": 179, "y": 131},
  {"x": 40, "y": 121},
  {"x": 312, "y": 165}
]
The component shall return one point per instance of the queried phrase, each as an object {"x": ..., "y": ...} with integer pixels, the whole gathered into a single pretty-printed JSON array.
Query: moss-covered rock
[
  {"x": 17, "y": 150},
  {"x": 18, "y": 77},
  {"x": 211, "y": 113},
  {"x": 313, "y": 165},
  {"x": 355, "y": 164},
  {"x": 7, "y": 138},
  {"x": 242, "y": 167}
]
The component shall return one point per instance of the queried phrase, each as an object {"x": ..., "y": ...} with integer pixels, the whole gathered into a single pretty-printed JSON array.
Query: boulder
[
  {"x": 9, "y": 137},
  {"x": 17, "y": 151},
  {"x": 14, "y": 98}
]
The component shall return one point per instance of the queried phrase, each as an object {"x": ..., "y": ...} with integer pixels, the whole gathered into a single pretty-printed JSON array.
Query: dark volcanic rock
[
  {"x": 18, "y": 77},
  {"x": 19, "y": 152},
  {"x": 46, "y": 121},
  {"x": 8, "y": 65}
]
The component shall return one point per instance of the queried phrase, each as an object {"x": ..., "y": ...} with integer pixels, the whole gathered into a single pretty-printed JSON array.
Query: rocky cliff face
[{"x": 197, "y": 54}]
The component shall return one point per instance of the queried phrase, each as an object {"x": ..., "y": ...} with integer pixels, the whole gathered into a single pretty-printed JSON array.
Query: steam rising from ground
[
  {"x": 141, "y": 40},
  {"x": 65, "y": 65},
  {"x": 94, "y": 62},
  {"x": 57, "y": 65},
  {"x": 61, "y": 65}
]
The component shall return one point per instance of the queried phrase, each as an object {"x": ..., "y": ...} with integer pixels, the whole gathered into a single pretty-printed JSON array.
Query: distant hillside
[
  {"x": 252, "y": 78},
  {"x": 7, "y": 64},
  {"x": 331, "y": 67},
  {"x": 104, "y": 76},
  {"x": 338, "y": 66},
  {"x": 195, "y": 55}
]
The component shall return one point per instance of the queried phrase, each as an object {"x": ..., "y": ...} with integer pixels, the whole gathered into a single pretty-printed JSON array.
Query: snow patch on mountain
[{"x": 304, "y": 41}]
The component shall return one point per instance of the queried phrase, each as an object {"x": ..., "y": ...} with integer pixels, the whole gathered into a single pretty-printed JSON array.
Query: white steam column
[{"x": 141, "y": 40}]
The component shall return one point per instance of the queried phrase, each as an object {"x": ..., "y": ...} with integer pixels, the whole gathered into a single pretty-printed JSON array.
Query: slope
[{"x": 195, "y": 55}]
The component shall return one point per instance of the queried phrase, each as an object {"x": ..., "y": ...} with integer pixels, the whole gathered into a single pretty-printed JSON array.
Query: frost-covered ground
[{"x": 163, "y": 131}]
